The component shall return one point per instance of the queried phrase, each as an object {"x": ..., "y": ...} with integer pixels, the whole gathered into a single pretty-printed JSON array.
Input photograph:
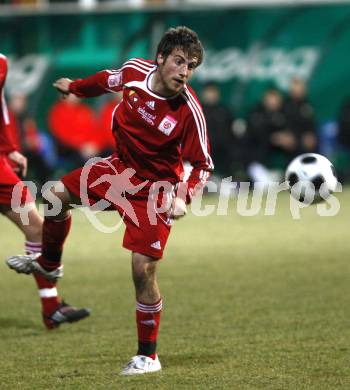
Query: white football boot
[
  {"x": 140, "y": 364},
  {"x": 27, "y": 264}
]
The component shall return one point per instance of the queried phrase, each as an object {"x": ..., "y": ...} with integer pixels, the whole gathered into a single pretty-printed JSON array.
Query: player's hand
[
  {"x": 62, "y": 85},
  {"x": 20, "y": 160},
  {"x": 178, "y": 208}
]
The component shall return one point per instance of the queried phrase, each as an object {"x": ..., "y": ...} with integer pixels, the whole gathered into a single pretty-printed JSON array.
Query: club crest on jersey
[
  {"x": 133, "y": 98},
  {"x": 167, "y": 125},
  {"x": 115, "y": 80}
]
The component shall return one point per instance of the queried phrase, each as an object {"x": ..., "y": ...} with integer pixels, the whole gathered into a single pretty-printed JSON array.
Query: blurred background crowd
[{"x": 274, "y": 83}]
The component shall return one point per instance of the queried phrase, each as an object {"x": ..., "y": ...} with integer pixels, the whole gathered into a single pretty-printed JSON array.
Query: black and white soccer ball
[{"x": 311, "y": 178}]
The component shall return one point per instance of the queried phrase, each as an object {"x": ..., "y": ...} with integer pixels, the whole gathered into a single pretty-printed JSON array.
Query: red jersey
[
  {"x": 104, "y": 117},
  {"x": 8, "y": 177},
  {"x": 74, "y": 124},
  {"x": 6, "y": 142},
  {"x": 153, "y": 134}
]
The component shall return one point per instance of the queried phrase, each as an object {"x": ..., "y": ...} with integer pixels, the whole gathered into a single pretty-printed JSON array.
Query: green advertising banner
[{"x": 247, "y": 50}]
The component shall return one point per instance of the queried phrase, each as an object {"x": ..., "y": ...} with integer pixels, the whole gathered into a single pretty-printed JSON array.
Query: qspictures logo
[{"x": 116, "y": 190}]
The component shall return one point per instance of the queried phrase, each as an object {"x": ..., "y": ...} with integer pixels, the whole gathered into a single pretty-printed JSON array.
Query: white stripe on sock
[
  {"x": 32, "y": 247},
  {"x": 30, "y": 243},
  {"x": 149, "y": 308},
  {"x": 48, "y": 292}
]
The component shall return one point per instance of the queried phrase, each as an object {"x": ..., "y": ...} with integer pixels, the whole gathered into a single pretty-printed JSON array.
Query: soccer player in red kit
[
  {"x": 54, "y": 311},
  {"x": 158, "y": 124}
]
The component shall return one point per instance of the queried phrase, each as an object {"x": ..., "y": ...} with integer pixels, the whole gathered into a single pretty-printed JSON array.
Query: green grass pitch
[{"x": 258, "y": 302}]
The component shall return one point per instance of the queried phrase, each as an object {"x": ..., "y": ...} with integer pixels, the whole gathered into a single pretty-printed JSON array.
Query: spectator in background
[
  {"x": 219, "y": 124},
  {"x": 27, "y": 138},
  {"x": 300, "y": 117},
  {"x": 75, "y": 128},
  {"x": 269, "y": 142},
  {"x": 342, "y": 156},
  {"x": 344, "y": 125},
  {"x": 104, "y": 118}
]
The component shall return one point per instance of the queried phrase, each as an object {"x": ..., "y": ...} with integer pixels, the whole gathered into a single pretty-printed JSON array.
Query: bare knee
[
  {"x": 144, "y": 276},
  {"x": 57, "y": 201},
  {"x": 143, "y": 270},
  {"x": 33, "y": 231},
  {"x": 30, "y": 225}
]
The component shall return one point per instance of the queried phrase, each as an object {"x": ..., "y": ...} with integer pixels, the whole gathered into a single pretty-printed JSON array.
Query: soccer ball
[{"x": 311, "y": 178}]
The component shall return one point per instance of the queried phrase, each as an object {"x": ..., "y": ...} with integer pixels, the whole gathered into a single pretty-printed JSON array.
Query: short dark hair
[{"x": 183, "y": 38}]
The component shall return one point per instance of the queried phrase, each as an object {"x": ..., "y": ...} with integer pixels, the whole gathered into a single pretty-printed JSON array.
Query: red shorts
[
  {"x": 110, "y": 183},
  {"x": 8, "y": 180}
]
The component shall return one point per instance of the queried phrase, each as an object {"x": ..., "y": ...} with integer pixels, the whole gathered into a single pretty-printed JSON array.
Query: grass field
[{"x": 250, "y": 303}]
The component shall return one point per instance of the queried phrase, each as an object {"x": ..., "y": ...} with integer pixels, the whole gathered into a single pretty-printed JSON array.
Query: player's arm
[
  {"x": 6, "y": 143},
  {"x": 7, "y": 146},
  {"x": 98, "y": 84},
  {"x": 198, "y": 178},
  {"x": 196, "y": 150}
]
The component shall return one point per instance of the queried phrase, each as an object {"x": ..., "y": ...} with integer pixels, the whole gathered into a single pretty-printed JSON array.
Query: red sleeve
[
  {"x": 6, "y": 143},
  {"x": 110, "y": 80},
  {"x": 196, "y": 150},
  {"x": 98, "y": 84}
]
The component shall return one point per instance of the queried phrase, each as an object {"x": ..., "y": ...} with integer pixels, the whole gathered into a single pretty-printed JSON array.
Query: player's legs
[
  {"x": 56, "y": 228},
  {"x": 148, "y": 310},
  {"x": 54, "y": 311},
  {"x": 144, "y": 274},
  {"x": 33, "y": 229},
  {"x": 33, "y": 232},
  {"x": 146, "y": 240},
  {"x": 148, "y": 303},
  {"x": 54, "y": 233}
]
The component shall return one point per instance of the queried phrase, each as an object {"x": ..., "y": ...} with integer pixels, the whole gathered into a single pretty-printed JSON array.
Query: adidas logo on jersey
[
  {"x": 151, "y": 104},
  {"x": 156, "y": 245}
]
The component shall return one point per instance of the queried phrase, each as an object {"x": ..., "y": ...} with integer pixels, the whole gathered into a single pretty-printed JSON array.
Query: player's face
[{"x": 175, "y": 70}]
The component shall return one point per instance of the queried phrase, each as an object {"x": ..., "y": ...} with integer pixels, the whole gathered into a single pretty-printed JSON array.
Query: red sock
[
  {"x": 54, "y": 236},
  {"x": 148, "y": 319},
  {"x": 47, "y": 290},
  {"x": 48, "y": 294}
]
